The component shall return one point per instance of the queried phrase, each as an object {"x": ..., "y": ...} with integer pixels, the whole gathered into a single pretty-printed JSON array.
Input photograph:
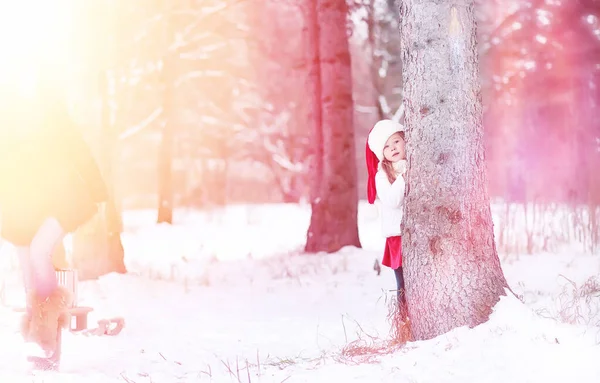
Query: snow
[{"x": 227, "y": 296}]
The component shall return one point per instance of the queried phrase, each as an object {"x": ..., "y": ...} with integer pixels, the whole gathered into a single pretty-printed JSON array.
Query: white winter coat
[{"x": 391, "y": 197}]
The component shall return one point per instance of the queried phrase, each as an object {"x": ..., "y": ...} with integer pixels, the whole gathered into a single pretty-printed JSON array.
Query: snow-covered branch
[{"x": 133, "y": 130}]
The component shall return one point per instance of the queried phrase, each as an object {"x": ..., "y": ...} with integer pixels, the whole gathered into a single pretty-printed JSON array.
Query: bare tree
[
  {"x": 186, "y": 85},
  {"x": 453, "y": 274},
  {"x": 278, "y": 136},
  {"x": 384, "y": 47}
]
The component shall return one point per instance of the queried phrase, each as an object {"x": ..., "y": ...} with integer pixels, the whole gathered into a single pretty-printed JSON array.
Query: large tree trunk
[
  {"x": 452, "y": 270},
  {"x": 334, "y": 194}
]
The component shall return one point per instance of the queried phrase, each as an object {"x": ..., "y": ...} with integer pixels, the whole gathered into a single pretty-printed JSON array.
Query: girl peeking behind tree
[{"x": 386, "y": 166}]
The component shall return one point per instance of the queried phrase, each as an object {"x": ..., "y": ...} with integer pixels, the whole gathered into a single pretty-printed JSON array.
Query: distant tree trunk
[
  {"x": 167, "y": 143},
  {"x": 375, "y": 58},
  {"x": 165, "y": 175},
  {"x": 453, "y": 274},
  {"x": 386, "y": 66},
  {"x": 334, "y": 195}
]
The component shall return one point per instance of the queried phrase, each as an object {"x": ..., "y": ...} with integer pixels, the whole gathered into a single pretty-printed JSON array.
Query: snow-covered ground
[{"x": 227, "y": 297}]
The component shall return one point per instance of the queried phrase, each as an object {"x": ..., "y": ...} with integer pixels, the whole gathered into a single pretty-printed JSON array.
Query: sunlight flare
[{"x": 34, "y": 34}]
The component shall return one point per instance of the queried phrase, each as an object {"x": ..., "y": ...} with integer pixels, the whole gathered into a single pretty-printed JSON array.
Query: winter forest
[{"x": 238, "y": 240}]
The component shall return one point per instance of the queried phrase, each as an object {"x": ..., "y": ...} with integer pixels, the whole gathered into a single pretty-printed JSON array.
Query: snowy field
[{"x": 226, "y": 296}]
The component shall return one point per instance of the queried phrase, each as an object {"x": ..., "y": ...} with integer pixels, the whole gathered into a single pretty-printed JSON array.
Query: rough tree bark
[
  {"x": 334, "y": 194},
  {"x": 453, "y": 274}
]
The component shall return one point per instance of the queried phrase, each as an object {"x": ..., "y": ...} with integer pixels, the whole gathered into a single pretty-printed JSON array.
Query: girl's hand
[{"x": 401, "y": 167}]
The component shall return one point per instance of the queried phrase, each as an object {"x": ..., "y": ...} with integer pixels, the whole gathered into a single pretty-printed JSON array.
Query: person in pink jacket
[{"x": 386, "y": 166}]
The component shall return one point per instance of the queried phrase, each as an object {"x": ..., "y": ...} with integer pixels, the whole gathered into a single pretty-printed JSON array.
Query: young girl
[{"x": 386, "y": 165}]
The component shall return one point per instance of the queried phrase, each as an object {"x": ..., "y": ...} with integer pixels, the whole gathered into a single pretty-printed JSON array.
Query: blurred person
[{"x": 50, "y": 184}]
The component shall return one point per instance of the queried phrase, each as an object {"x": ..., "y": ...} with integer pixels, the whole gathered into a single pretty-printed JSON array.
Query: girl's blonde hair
[{"x": 388, "y": 166}]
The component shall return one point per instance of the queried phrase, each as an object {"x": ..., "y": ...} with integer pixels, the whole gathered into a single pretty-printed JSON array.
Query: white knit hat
[{"x": 380, "y": 134}]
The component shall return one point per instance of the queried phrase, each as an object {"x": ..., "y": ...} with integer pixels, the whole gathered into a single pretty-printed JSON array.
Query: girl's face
[{"x": 394, "y": 150}]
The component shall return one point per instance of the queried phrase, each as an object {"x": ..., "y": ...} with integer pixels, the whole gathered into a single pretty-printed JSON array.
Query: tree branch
[{"x": 135, "y": 129}]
